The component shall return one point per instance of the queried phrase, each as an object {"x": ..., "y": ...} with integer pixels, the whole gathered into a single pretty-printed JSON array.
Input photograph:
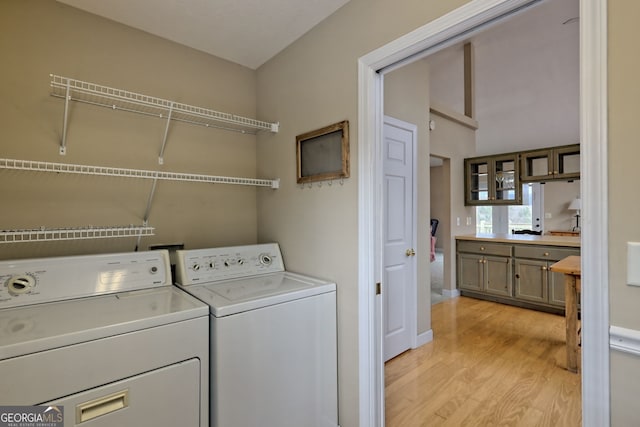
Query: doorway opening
[
  {"x": 435, "y": 36},
  {"x": 441, "y": 259}
]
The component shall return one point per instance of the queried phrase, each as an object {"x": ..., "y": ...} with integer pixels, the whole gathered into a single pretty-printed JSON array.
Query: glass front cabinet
[
  {"x": 493, "y": 180},
  {"x": 557, "y": 163}
]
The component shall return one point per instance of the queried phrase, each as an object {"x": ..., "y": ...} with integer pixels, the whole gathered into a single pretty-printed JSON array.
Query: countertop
[{"x": 545, "y": 239}]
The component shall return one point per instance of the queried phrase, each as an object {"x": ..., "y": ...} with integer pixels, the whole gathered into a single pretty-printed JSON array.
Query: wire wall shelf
[
  {"x": 119, "y": 99},
  {"x": 31, "y": 165},
  {"x": 75, "y": 233}
]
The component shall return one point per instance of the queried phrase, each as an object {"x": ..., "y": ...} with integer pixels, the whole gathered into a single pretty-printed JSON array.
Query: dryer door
[{"x": 165, "y": 397}]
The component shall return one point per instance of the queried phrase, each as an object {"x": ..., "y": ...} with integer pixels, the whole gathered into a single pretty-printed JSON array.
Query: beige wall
[
  {"x": 39, "y": 37},
  {"x": 453, "y": 141},
  {"x": 311, "y": 84},
  {"x": 624, "y": 204},
  {"x": 406, "y": 97}
]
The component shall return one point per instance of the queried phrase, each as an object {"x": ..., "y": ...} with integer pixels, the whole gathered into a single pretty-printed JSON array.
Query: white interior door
[{"x": 399, "y": 272}]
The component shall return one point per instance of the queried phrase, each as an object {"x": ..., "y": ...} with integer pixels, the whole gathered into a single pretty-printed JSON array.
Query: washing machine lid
[
  {"x": 250, "y": 293},
  {"x": 39, "y": 327}
]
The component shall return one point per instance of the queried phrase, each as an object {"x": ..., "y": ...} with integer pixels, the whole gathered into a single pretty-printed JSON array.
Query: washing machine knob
[
  {"x": 195, "y": 267},
  {"x": 265, "y": 259}
]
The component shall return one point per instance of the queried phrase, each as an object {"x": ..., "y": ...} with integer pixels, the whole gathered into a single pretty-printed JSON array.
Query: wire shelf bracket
[
  {"x": 75, "y": 233},
  {"x": 119, "y": 99}
]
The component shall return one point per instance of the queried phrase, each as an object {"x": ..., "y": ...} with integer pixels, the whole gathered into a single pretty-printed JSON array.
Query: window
[{"x": 503, "y": 219}]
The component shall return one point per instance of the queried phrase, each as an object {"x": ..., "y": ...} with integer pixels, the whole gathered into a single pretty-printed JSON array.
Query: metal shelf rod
[{"x": 32, "y": 165}]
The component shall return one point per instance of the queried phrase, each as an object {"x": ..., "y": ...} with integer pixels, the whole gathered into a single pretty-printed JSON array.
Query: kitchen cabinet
[
  {"x": 493, "y": 180},
  {"x": 485, "y": 268},
  {"x": 533, "y": 279},
  {"x": 512, "y": 272},
  {"x": 557, "y": 163}
]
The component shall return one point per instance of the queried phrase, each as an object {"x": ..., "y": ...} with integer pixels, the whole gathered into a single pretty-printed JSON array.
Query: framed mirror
[{"x": 323, "y": 154}]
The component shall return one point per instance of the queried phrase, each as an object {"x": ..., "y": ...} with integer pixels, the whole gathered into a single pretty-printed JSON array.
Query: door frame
[
  {"x": 412, "y": 313},
  {"x": 427, "y": 39}
]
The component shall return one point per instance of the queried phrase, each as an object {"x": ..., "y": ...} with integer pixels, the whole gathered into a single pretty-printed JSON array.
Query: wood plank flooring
[{"x": 489, "y": 365}]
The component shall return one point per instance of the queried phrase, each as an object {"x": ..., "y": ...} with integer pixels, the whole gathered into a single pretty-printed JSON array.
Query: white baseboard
[
  {"x": 450, "y": 293},
  {"x": 625, "y": 340},
  {"x": 424, "y": 338}
]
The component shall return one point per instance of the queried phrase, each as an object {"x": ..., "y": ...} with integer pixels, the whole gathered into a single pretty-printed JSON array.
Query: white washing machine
[
  {"x": 273, "y": 337},
  {"x": 107, "y": 337}
]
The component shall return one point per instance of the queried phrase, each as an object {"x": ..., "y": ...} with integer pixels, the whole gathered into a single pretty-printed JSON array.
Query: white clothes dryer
[
  {"x": 273, "y": 337},
  {"x": 106, "y": 337}
]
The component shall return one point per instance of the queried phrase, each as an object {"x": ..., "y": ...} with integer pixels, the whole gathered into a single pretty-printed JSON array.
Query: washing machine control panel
[
  {"x": 31, "y": 281},
  {"x": 209, "y": 265}
]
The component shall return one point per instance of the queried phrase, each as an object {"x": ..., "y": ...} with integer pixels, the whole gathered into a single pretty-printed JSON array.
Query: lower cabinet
[
  {"x": 534, "y": 281},
  {"x": 516, "y": 274},
  {"x": 491, "y": 274}
]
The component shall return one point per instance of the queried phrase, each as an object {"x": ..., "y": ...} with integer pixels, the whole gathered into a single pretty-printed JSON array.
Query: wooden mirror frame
[{"x": 323, "y": 154}]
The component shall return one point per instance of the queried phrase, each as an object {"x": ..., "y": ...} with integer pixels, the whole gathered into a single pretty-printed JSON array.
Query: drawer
[
  {"x": 543, "y": 252},
  {"x": 484, "y": 248}
]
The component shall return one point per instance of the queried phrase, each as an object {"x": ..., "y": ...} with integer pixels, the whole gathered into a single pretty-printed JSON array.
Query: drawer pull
[
  {"x": 546, "y": 254},
  {"x": 482, "y": 248},
  {"x": 102, "y": 406}
]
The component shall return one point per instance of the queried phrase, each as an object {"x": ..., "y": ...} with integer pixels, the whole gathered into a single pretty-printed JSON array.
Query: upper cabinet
[
  {"x": 493, "y": 180},
  {"x": 497, "y": 180},
  {"x": 557, "y": 163}
]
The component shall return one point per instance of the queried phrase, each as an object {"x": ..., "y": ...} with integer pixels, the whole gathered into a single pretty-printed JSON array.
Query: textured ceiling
[{"x": 247, "y": 32}]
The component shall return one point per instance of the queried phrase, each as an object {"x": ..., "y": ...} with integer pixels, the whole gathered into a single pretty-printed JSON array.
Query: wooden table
[
  {"x": 570, "y": 266},
  {"x": 564, "y": 233}
]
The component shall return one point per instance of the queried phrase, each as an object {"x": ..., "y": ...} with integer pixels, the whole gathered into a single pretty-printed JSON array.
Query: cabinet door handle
[
  {"x": 543, "y": 268},
  {"x": 517, "y": 276}
]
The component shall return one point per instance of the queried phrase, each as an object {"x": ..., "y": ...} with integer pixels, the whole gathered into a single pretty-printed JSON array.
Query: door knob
[{"x": 410, "y": 252}]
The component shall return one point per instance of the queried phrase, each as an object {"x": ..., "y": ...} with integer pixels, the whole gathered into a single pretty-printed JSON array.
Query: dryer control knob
[
  {"x": 195, "y": 267},
  {"x": 19, "y": 285}
]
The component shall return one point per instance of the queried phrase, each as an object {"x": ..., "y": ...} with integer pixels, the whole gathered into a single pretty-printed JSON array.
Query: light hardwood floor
[{"x": 489, "y": 364}]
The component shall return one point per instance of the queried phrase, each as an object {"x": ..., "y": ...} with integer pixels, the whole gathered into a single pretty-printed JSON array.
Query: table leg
[{"x": 571, "y": 316}]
